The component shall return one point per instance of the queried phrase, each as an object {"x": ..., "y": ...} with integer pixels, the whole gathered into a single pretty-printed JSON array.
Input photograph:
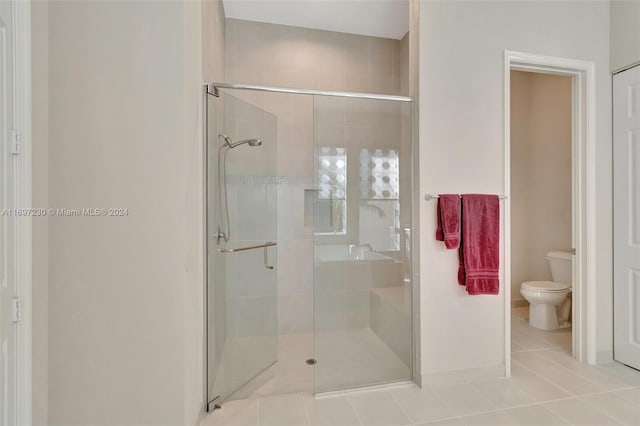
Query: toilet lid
[{"x": 548, "y": 286}]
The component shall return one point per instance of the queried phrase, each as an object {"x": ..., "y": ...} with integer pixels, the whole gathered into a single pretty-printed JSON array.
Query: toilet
[{"x": 550, "y": 301}]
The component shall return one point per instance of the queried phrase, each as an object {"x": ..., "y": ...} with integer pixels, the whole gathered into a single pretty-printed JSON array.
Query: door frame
[
  {"x": 583, "y": 189},
  {"x": 22, "y": 102}
]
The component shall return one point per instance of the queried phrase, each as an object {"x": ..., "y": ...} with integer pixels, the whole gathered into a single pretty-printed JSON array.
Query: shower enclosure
[{"x": 309, "y": 221}]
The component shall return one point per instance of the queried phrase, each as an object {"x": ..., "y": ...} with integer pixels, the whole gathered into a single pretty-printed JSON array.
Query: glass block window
[
  {"x": 379, "y": 174},
  {"x": 331, "y": 206},
  {"x": 379, "y": 219}
]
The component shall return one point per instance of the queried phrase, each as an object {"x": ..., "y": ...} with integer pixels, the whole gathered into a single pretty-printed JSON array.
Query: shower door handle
[
  {"x": 407, "y": 242},
  {"x": 237, "y": 249},
  {"x": 266, "y": 263},
  {"x": 264, "y": 246}
]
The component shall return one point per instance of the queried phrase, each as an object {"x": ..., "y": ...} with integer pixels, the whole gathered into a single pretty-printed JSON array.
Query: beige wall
[
  {"x": 280, "y": 55},
  {"x": 625, "y": 33},
  {"x": 540, "y": 173},
  {"x": 462, "y": 47},
  {"x": 285, "y": 56},
  {"x": 404, "y": 65},
  {"x": 125, "y": 293},
  {"x": 213, "y": 40}
]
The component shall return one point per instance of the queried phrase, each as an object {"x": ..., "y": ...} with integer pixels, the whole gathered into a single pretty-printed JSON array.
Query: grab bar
[{"x": 233, "y": 250}]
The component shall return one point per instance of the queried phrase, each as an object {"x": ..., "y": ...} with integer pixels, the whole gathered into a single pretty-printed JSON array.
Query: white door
[
  {"x": 8, "y": 281},
  {"x": 626, "y": 205}
]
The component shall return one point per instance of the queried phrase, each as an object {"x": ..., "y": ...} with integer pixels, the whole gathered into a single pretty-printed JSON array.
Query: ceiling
[{"x": 378, "y": 18}]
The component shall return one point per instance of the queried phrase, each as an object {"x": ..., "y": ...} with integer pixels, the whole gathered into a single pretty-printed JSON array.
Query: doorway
[
  {"x": 582, "y": 74},
  {"x": 541, "y": 213}
]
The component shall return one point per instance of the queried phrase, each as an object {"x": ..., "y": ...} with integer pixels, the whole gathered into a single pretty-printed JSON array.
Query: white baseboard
[
  {"x": 467, "y": 375},
  {"x": 604, "y": 356}
]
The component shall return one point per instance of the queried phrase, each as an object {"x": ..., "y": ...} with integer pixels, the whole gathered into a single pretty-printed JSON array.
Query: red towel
[
  {"x": 480, "y": 248},
  {"x": 448, "y": 229}
]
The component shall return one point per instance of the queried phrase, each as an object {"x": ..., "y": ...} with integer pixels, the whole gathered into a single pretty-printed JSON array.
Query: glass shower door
[
  {"x": 241, "y": 244},
  {"x": 362, "y": 227}
]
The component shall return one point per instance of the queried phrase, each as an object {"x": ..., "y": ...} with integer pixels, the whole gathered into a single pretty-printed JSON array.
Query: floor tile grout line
[
  {"x": 395, "y": 400},
  {"x": 258, "y": 411},
  {"x": 440, "y": 399},
  {"x": 544, "y": 378},
  {"x": 353, "y": 407},
  {"x": 304, "y": 407},
  {"x": 541, "y": 403},
  {"x": 615, "y": 422},
  {"x": 571, "y": 371},
  {"x": 556, "y": 415}
]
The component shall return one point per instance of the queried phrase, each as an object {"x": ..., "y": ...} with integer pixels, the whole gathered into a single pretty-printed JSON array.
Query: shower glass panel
[
  {"x": 241, "y": 244},
  {"x": 362, "y": 242}
]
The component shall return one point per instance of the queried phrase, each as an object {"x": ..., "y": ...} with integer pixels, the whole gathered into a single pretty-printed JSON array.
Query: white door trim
[
  {"x": 22, "y": 16},
  {"x": 583, "y": 194}
]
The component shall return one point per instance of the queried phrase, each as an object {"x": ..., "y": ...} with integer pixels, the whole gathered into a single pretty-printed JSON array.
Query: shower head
[
  {"x": 230, "y": 144},
  {"x": 251, "y": 142}
]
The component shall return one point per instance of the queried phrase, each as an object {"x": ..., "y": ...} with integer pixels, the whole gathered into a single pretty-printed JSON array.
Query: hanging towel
[
  {"x": 480, "y": 247},
  {"x": 448, "y": 228}
]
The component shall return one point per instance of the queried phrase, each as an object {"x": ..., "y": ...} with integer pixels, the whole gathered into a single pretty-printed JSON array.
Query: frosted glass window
[
  {"x": 331, "y": 206},
  {"x": 379, "y": 217},
  {"x": 379, "y": 174}
]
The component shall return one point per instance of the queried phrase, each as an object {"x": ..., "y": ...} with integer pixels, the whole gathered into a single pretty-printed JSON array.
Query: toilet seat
[{"x": 545, "y": 286}]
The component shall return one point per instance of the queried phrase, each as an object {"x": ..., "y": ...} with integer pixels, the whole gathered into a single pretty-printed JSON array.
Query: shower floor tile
[
  {"x": 351, "y": 358},
  {"x": 346, "y": 359}
]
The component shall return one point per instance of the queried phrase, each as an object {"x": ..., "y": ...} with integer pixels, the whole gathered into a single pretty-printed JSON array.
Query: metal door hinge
[
  {"x": 16, "y": 142},
  {"x": 16, "y": 309}
]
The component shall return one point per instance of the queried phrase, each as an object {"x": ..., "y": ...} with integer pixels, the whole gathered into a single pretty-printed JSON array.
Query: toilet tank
[{"x": 560, "y": 263}]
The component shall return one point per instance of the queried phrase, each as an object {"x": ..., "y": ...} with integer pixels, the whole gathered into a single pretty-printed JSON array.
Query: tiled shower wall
[{"x": 277, "y": 55}]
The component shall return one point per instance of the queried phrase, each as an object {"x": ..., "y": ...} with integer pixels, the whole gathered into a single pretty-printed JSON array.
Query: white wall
[
  {"x": 125, "y": 293},
  {"x": 462, "y": 48},
  {"x": 194, "y": 69},
  {"x": 40, "y": 199},
  {"x": 540, "y": 173},
  {"x": 625, "y": 33}
]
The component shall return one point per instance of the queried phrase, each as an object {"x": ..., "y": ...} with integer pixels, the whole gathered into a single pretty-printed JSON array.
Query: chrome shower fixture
[
  {"x": 230, "y": 144},
  {"x": 224, "y": 232}
]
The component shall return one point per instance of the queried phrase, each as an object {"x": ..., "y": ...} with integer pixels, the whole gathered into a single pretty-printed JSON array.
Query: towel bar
[{"x": 430, "y": 197}]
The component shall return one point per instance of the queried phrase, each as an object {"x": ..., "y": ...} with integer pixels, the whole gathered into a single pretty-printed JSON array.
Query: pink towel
[
  {"x": 448, "y": 228},
  {"x": 480, "y": 248}
]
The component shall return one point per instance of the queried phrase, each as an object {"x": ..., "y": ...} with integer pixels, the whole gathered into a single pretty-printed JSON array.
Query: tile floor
[
  {"x": 548, "y": 387},
  {"x": 346, "y": 358}
]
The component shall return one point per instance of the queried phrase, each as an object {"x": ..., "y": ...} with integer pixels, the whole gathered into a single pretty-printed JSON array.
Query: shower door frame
[
  {"x": 215, "y": 403},
  {"x": 213, "y": 88}
]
